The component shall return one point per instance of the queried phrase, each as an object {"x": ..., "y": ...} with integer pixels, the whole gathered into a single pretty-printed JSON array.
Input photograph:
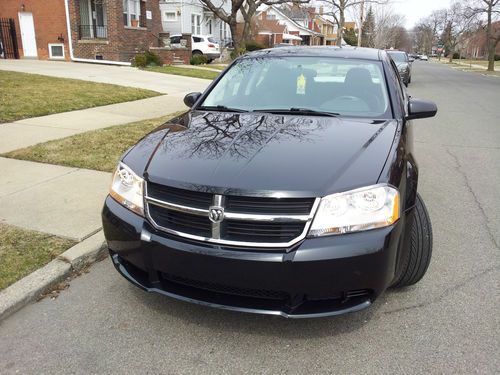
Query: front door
[{"x": 28, "y": 34}]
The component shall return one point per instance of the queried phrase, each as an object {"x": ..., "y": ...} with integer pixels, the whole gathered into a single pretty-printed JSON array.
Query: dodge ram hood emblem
[{"x": 216, "y": 214}]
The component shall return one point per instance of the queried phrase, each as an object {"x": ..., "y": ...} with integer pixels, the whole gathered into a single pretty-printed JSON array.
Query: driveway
[
  {"x": 119, "y": 75},
  {"x": 446, "y": 324}
]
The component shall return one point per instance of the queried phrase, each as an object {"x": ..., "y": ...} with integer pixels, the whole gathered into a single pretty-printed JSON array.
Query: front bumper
[{"x": 318, "y": 277}]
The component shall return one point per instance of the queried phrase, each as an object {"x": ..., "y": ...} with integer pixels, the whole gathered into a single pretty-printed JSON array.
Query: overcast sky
[{"x": 413, "y": 10}]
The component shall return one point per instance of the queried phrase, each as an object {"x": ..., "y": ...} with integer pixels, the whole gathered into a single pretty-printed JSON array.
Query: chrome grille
[{"x": 247, "y": 221}]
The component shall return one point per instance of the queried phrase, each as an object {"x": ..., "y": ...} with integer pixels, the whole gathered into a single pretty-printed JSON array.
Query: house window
[
  {"x": 170, "y": 16},
  {"x": 271, "y": 16},
  {"x": 196, "y": 24},
  {"x": 131, "y": 12},
  {"x": 56, "y": 51},
  {"x": 92, "y": 19},
  {"x": 209, "y": 24}
]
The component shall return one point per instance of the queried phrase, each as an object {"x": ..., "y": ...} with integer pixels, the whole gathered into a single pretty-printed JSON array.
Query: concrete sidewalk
[
  {"x": 59, "y": 200},
  {"x": 35, "y": 130},
  {"x": 173, "y": 85},
  {"x": 52, "y": 199}
]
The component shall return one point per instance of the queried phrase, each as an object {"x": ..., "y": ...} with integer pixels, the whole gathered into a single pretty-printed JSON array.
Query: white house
[{"x": 191, "y": 16}]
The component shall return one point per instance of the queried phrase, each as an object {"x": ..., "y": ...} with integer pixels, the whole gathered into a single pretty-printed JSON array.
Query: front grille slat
[
  {"x": 283, "y": 220},
  {"x": 180, "y": 196},
  {"x": 181, "y": 222},
  {"x": 283, "y": 206}
]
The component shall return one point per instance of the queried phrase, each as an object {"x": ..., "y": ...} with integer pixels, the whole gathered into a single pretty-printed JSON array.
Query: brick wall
[
  {"x": 49, "y": 19},
  {"x": 169, "y": 54},
  {"x": 122, "y": 42}
]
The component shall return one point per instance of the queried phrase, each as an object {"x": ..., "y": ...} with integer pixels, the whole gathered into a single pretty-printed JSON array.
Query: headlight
[
  {"x": 356, "y": 210},
  {"x": 126, "y": 188}
]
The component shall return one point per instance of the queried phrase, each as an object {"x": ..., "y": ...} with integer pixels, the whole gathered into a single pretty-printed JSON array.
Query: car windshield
[
  {"x": 211, "y": 40},
  {"x": 398, "y": 56},
  {"x": 345, "y": 87}
]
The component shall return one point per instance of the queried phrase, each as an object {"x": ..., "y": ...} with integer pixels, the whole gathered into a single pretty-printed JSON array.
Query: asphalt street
[{"x": 446, "y": 324}]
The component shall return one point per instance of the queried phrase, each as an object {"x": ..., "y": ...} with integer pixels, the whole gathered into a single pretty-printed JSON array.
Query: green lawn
[
  {"x": 97, "y": 149},
  {"x": 473, "y": 62},
  {"x": 215, "y": 66},
  {"x": 29, "y": 95},
  {"x": 23, "y": 251},
  {"x": 187, "y": 72}
]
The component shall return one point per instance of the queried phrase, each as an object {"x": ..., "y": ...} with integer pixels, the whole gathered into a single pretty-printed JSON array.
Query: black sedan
[
  {"x": 403, "y": 63},
  {"x": 289, "y": 188}
]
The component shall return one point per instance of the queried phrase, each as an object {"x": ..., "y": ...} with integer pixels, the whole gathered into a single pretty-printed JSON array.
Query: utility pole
[{"x": 361, "y": 16}]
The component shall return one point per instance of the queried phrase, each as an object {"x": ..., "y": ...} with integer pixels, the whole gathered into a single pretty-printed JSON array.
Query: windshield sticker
[{"x": 301, "y": 85}]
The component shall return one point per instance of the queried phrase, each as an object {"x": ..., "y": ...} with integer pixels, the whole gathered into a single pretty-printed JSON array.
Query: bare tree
[
  {"x": 491, "y": 10},
  {"x": 424, "y": 37},
  {"x": 247, "y": 8},
  {"x": 456, "y": 21},
  {"x": 338, "y": 11},
  {"x": 428, "y": 30},
  {"x": 387, "y": 28}
]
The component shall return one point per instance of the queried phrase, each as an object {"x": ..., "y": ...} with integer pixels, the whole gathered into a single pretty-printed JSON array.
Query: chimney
[{"x": 321, "y": 10}]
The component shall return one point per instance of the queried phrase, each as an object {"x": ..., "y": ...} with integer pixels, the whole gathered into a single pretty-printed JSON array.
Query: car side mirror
[
  {"x": 191, "y": 98},
  {"x": 418, "y": 108},
  {"x": 411, "y": 59}
]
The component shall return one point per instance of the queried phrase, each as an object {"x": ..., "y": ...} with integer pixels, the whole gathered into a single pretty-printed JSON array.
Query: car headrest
[{"x": 358, "y": 77}]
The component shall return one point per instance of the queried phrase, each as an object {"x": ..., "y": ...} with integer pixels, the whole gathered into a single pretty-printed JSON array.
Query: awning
[{"x": 291, "y": 37}]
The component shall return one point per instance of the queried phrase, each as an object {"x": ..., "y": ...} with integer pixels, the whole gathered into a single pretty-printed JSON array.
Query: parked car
[
  {"x": 201, "y": 45},
  {"x": 283, "y": 190},
  {"x": 424, "y": 57},
  {"x": 403, "y": 63}
]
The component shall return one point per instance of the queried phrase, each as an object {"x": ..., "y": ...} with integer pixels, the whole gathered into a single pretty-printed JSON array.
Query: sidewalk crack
[
  {"x": 459, "y": 169},
  {"x": 40, "y": 183}
]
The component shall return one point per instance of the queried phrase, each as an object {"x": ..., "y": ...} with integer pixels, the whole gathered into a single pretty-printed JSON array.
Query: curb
[{"x": 31, "y": 287}]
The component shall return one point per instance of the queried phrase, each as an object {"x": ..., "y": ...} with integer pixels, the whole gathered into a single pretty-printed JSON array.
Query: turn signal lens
[
  {"x": 371, "y": 207},
  {"x": 127, "y": 189}
]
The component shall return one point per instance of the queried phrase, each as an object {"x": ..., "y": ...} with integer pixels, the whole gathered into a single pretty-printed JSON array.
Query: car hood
[{"x": 256, "y": 153}]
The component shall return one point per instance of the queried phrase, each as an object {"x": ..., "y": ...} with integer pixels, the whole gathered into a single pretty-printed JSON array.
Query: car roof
[{"x": 320, "y": 51}]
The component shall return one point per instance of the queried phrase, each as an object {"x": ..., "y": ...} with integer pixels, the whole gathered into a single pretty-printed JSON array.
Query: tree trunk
[
  {"x": 489, "y": 41},
  {"x": 491, "y": 57},
  {"x": 233, "y": 26},
  {"x": 340, "y": 27}
]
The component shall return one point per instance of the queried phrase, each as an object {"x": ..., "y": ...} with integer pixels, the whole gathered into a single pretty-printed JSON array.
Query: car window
[
  {"x": 398, "y": 57},
  {"x": 346, "y": 86},
  {"x": 197, "y": 39},
  {"x": 175, "y": 39},
  {"x": 401, "y": 90},
  {"x": 211, "y": 40}
]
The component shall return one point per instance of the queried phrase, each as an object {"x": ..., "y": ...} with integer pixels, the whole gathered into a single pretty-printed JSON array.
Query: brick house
[
  {"x": 275, "y": 25},
  {"x": 475, "y": 44},
  {"x": 108, "y": 30}
]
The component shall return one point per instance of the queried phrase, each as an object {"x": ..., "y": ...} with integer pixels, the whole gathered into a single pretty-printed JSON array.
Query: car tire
[
  {"x": 418, "y": 256},
  {"x": 197, "y": 53}
]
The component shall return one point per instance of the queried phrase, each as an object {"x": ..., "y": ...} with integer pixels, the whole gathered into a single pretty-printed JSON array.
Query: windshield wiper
[
  {"x": 298, "y": 111},
  {"x": 220, "y": 108}
]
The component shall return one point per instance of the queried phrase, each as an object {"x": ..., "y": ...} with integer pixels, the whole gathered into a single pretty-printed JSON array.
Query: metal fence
[
  {"x": 8, "y": 39},
  {"x": 92, "y": 32}
]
